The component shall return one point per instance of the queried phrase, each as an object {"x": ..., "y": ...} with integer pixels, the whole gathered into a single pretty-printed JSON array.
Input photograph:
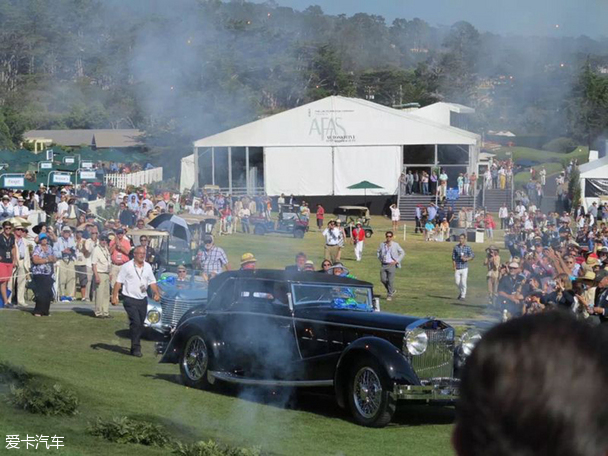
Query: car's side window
[
  {"x": 224, "y": 296},
  {"x": 261, "y": 296}
]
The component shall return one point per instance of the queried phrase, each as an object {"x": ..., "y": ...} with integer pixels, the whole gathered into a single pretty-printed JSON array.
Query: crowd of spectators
[{"x": 551, "y": 261}]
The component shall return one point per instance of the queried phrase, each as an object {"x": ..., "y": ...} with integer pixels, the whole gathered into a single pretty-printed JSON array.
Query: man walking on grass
[
  {"x": 390, "y": 255},
  {"x": 461, "y": 255},
  {"x": 134, "y": 278}
]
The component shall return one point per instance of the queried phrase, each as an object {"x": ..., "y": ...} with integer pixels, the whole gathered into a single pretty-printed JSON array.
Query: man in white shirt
[
  {"x": 21, "y": 210},
  {"x": 503, "y": 215},
  {"x": 62, "y": 207},
  {"x": 134, "y": 278},
  {"x": 196, "y": 208},
  {"x": 333, "y": 240}
]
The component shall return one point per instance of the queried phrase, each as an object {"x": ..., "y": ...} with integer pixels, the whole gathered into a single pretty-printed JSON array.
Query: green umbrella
[{"x": 364, "y": 185}]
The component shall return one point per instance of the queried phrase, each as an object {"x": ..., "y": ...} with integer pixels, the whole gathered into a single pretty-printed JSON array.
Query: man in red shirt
[
  {"x": 120, "y": 248},
  {"x": 320, "y": 215},
  {"x": 358, "y": 236}
]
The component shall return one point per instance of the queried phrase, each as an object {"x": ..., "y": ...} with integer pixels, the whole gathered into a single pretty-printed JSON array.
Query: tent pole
[
  {"x": 213, "y": 166},
  {"x": 247, "y": 169},
  {"x": 436, "y": 183},
  {"x": 195, "y": 168},
  {"x": 230, "y": 170}
]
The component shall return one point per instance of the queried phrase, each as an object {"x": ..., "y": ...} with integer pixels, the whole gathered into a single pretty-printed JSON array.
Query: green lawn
[
  {"x": 88, "y": 355},
  {"x": 552, "y": 161}
]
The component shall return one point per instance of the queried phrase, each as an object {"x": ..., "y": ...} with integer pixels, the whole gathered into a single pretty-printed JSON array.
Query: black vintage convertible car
[{"x": 275, "y": 328}]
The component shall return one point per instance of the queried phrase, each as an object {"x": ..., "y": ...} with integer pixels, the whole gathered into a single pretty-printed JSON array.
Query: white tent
[
  {"x": 594, "y": 180},
  {"x": 188, "y": 173},
  {"x": 323, "y": 147},
  {"x": 442, "y": 112}
]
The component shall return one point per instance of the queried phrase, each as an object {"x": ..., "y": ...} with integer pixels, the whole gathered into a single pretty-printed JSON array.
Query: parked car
[
  {"x": 350, "y": 215},
  {"x": 305, "y": 329},
  {"x": 288, "y": 222}
]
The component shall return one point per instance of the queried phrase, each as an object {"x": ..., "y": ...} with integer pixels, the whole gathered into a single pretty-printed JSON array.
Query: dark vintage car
[
  {"x": 275, "y": 328},
  {"x": 288, "y": 222}
]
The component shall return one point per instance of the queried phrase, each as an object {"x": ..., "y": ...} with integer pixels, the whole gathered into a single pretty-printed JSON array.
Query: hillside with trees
[{"x": 188, "y": 68}]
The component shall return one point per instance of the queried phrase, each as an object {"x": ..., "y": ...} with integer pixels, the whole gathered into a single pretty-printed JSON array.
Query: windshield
[{"x": 335, "y": 297}]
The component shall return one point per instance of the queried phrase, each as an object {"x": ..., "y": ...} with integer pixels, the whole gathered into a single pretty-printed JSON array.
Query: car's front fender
[
  {"x": 391, "y": 359},
  {"x": 182, "y": 333}
]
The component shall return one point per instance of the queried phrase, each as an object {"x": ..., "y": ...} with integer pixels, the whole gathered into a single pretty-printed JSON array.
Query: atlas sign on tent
[{"x": 320, "y": 148}]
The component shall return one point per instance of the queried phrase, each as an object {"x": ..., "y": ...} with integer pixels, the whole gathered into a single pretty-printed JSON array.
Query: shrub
[
  {"x": 12, "y": 374},
  {"x": 561, "y": 145},
  {"x": 126, "y": 430},
  {"x": 212, "y": 448},
  {"x": 44, "y": 397}
]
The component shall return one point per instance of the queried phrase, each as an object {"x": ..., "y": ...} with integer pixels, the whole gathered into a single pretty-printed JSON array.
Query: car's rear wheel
[
  {"x": 371, "y": 404},
  {"x": 193, "y": 363},
  {"x": 259, "y": 230},
  {"x": 368, "y": 233},
  {"x": 299, "y": 234}
]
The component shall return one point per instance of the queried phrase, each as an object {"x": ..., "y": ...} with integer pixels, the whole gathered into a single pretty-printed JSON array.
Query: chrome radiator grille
[
  {"x": 173, "y": 310},
  {"x": 438, "y": 359}
]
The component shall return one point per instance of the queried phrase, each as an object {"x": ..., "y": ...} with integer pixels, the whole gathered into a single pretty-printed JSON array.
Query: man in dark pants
[{"x": 134, "y": 278}]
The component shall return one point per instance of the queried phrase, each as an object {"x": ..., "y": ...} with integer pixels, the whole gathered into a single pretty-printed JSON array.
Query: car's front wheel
[
  {"x": 194, "y": 362},
  {"x": 371, "y": 404},
  {"x": 298, "y": 234}
]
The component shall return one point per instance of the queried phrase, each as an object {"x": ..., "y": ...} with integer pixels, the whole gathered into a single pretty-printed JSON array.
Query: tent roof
[
  {"x": 593, "y": 169},
  {"x": 340, "y": 121},
  {"x": 100, "y": 137}
]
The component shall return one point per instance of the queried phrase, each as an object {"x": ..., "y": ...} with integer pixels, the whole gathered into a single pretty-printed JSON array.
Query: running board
[{"x": 231, "y": 378}]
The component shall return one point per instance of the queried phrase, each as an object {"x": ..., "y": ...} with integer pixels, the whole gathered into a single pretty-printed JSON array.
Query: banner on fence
[{"x": 14, "y": 182}]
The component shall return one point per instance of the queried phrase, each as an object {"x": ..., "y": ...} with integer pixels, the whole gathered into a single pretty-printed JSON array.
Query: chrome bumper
[{"x": 430, "y": 390}]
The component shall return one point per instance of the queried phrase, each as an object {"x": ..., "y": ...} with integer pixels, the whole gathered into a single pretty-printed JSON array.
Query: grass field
[
  {"x": 552, "y": 161},
  {"x": 89, "y": 355}
]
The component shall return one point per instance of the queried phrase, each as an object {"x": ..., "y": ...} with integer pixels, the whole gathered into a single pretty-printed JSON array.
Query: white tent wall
[
  {"x": 188, "y": 173},
  {"x": 380, "y": 165},
  {"x": 298, "y": 170},
  {"x": 596, "y": 169}
]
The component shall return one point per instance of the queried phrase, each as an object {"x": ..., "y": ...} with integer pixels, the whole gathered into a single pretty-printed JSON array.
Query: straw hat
[
  {"x": 247, "y": 258},
  {"x": 589, "y": 275}
]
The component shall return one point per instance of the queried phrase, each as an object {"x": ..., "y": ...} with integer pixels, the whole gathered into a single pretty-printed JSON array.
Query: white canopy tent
[
  {"x": 594, "y": 181},
  {"x": 322, "y": 148}
]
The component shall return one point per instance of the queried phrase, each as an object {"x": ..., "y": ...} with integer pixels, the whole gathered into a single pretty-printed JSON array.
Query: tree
[{"x": 588, "y": 106}]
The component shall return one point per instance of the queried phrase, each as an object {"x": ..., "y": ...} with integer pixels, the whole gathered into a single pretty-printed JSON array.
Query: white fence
[{"x": 122, "y": 181}]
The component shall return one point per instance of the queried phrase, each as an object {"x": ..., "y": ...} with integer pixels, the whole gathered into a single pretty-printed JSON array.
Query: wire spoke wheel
[
  {"x": 367, "y": 392},
  {"x": 195, "y": 359}
]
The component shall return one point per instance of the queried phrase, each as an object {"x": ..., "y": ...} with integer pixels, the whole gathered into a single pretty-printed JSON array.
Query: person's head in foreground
[{"x": 535, "y": 386}]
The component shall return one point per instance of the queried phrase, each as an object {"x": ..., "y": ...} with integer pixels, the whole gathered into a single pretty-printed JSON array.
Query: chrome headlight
[
  {"x": 468, "y": 341},
  {"x": 416, "y": 342},
  {"x": 153, "y": 316}
]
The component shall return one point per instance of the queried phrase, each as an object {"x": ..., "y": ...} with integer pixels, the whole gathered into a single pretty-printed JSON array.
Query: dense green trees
[{"x": 187, "y": 68}]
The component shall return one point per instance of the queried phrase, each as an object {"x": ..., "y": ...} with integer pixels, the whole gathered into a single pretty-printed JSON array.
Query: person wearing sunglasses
[
  {"x": 390, "y": 255},
  {"x": 8, "y": 259},
  {"x": 325, "y": 267}
]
